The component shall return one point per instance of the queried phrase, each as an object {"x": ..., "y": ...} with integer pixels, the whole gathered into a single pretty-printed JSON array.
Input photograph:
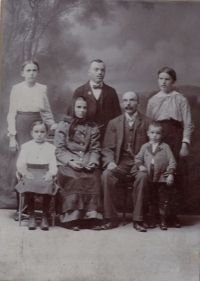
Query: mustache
[{"x": 128, "y": 107}]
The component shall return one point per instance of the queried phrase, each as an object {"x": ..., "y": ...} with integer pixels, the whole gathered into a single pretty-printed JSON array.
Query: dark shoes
[
  {"x": 44, "y": 223},
  {"x": 163, "y": 224},
  {"x": 73, "y": 225},
  {"x": 174, "y": 222},
  {"x": 139, "y": 226},
  {"x": 75, "y": 228},
  {"x": 96, "y": 227},
  {"x": 32, "y": 222},
  {"x": 152, "y": 225},
  {"x": 107, "y": 226}
]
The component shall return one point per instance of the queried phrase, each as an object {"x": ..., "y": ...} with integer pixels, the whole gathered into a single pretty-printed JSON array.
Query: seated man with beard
[{"x": 123, "y": 139}]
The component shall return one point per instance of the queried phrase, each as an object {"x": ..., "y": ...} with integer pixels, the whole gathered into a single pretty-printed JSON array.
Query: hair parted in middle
[
  {"x": 169, "y": 71},
  {"x": 29, "y": 62},
  {"x": 38, "y": 123}
]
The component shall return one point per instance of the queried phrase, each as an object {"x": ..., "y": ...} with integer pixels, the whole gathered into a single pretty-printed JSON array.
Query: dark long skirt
[
  {"x": 173, "y": 137},
  {"x": 38, "y": 184},
  {"x": 24, "y": 120},
  {"x": 80, "y": 194}
]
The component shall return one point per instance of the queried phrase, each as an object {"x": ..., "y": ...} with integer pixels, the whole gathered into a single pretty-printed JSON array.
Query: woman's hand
[
  {"x": 170, "y": 180},
  {"x": 90, "y": 166},
  {"x": 53, "y": 127},
  {"x": 142, "y": 168},
  {"x": 13, "y": 145},
  {"x": 48, "y": 176},
  {"x": 28, "y": 175},
  {"x": 76, "y": 165},
  {"x": 111, "y": 166},
  {"x": 184, "y": 150}
]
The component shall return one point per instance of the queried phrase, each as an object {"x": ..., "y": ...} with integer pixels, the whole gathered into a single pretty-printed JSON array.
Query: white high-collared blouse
[
  {"x": 174, "y": 105},
  {"x": 34, "y": 153},
  {"x": 26, "y": 99}
]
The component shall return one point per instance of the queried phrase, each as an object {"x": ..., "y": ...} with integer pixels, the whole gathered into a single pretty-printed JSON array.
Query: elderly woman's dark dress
[{"x": 80, "y": 190}]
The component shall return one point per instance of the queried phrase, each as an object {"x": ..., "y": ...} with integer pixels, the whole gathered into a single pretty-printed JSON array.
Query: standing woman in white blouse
[
  {"x": 28, "y": 103},
  {"x": 173, "y": 111}
]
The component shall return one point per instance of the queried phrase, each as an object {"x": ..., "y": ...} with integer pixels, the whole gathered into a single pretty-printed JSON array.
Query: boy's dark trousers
[
  {"x": 30, "y": 203},
  {"x": 159, "y": 198}
]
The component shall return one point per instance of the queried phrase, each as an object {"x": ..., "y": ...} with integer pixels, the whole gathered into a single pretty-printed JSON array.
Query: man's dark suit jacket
[
  {"x": 114, "y": 136},
  {"x": 110, "y": 106}
]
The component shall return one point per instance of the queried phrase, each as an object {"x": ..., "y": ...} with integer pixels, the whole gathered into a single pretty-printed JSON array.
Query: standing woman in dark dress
[
  {"x": 173, "y": 111},
  {"x": 78, "y": 151}
]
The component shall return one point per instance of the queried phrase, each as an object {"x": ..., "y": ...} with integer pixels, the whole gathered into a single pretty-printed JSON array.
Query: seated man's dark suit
[
  {"x": 121, "y": 144},
  {"x": 104, "y": 109}
]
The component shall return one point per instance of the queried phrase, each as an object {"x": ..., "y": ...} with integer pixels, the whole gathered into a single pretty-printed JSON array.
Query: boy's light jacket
[{"x": 164, "y": 160}]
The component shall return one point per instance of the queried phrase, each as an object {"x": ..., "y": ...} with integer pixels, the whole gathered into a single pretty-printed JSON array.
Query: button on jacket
[
  {"x": 84, "y": 147},
  {"x": 163, "y": 160}
]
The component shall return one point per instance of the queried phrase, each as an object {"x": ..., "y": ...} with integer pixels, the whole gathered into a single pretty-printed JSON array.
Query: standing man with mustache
[
  {"x": 102, "y": 100},
  {"x": 123, "y": 139}
]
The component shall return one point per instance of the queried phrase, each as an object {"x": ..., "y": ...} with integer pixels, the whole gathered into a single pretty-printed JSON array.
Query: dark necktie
[{"x": 97, "y": 86}]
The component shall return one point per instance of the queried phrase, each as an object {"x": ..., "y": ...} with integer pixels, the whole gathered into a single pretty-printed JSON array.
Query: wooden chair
[{"x": 23, "y": 206}]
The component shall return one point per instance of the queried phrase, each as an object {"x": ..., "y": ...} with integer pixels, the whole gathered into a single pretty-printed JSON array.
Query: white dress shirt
[
  {"x": 154, "y": 146},
  {"x": 96, "y": 92},
  {"x": 34, "y": 153},
  {"x": 131, "y": 119},
  {"x": 26, "y": 99}
]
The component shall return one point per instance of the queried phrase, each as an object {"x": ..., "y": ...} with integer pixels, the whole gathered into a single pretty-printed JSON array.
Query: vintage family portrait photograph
[{"x": 100, "y": 140}]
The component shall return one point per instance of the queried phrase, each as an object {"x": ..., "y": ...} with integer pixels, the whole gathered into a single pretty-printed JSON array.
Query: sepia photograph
[{"x": 100, "y": 140}]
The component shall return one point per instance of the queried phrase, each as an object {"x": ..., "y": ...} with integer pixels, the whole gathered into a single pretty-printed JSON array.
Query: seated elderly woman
[{"x": 78, "y": 152}]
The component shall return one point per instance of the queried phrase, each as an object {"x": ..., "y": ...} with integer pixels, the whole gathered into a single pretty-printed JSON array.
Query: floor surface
[{"x": 113, "y": 255}]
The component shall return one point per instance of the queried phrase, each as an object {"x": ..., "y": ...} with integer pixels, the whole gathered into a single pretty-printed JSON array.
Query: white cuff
[
  {"x": 186, "y": 140},
  {"x": 13, "y": 134}
]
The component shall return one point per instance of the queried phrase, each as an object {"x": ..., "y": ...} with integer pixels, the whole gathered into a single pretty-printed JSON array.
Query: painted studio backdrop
[{"x": 134, "y": 39}]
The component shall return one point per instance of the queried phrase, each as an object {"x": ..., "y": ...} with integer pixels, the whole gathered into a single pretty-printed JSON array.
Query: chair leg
[
  {"x": 53, "y": 211},
  {"x": 124, "y": 205},
  {"x": 20, "y": 208}
]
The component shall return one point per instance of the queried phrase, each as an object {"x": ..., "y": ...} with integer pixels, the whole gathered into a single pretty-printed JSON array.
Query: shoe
[
  {"x": 152, "y": 225},
  {"x": 138, "y": 225},
  {"x": 75, "y": 228},
  {"x": 32, "y": 222},
  {"x": 174, "y": 222},
  {"x": 108, "y": 225},
  {"x": 163, "y": 224},
  {"x": 44, "y": 223},
  {"x": 96, "y": 227}
]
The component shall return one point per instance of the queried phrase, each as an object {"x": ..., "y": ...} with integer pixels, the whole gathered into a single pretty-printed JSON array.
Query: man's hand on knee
[{"x": 142, "y": 168}]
